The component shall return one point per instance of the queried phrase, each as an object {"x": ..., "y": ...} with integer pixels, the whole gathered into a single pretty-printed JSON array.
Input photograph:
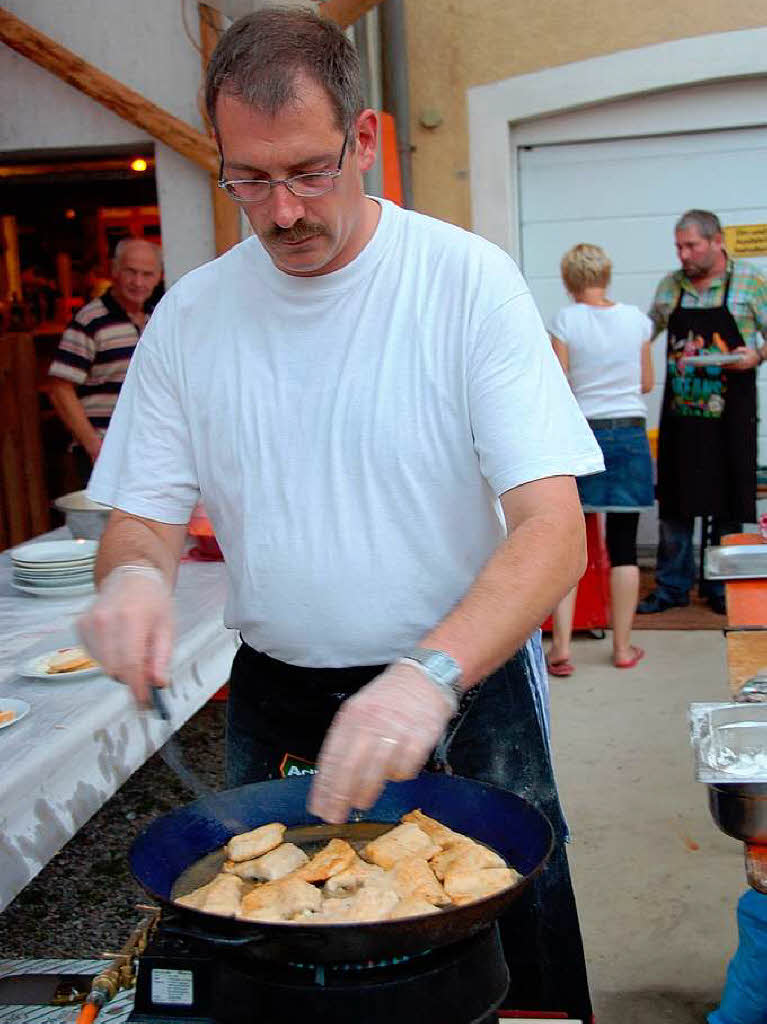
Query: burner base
[{"x": 458, "y": 984}]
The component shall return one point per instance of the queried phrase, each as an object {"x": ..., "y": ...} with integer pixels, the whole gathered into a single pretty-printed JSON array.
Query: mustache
[{"x": 299, "y": 232}]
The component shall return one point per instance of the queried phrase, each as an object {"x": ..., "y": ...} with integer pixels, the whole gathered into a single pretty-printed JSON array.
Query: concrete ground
[{"x": 656, "y": 882}]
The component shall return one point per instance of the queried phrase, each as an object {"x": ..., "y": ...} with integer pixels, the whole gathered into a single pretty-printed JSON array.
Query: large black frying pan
[{"x": 172, "y": 843}]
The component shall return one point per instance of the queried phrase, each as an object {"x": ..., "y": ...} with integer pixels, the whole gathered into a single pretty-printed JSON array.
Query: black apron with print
[{"x": 707, "y": 437}]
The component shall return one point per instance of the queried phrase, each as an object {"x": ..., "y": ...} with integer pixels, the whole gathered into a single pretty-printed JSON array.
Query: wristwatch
[{"x": 442, "y": 669}]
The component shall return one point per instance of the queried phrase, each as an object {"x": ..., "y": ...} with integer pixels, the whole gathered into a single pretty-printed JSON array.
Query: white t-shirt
[
  {"x": 348, "y": 433},
  {"x": 604, "y": 345}
]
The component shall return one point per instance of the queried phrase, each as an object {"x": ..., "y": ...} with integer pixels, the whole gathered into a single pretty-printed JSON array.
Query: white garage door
[{"x": 626, "y": 195}]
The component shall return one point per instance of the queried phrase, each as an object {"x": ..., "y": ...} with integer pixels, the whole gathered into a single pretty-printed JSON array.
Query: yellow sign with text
[{"x": 746, "y": 240}]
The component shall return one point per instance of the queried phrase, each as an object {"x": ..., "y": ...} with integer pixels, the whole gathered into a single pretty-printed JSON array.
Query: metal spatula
[{"x": 173, "y": 756}]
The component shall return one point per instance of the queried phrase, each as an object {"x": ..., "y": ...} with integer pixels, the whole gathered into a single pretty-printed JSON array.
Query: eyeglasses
[{"x": 305, "y": 186}]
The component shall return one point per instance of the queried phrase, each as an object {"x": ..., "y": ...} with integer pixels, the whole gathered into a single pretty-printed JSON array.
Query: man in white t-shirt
[{"x": 366, "y": 401}]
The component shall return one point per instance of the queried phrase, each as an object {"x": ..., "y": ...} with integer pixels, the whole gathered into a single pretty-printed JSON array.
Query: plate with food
[
  {"x": 64, "y": 663},
  {"x": 12, "y": 711}
]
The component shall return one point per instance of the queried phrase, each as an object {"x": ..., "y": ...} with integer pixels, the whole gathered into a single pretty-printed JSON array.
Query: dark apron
[
  {"x": 277, "y": 717},
  {"x": 707, "y": 437}
]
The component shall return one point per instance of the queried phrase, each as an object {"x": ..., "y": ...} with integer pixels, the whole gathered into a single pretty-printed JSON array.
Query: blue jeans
[
  {"x": 675, "y": 571},
  {"x": 497, "y": 737},
  {"x": 744, "y": 1000}
]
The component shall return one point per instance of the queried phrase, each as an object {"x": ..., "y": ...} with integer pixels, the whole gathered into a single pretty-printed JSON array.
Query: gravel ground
[{"x": 84, "y": 900}]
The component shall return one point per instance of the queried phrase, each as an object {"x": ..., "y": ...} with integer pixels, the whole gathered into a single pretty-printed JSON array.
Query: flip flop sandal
[
  {"x": 561, "y": 667},
  {"x": 630, "y": 662}
]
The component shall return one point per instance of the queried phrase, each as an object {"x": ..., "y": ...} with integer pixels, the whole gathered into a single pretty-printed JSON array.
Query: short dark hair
[
  {"x": 706, "y": 222},
  {"x": 260, "y": 57}
]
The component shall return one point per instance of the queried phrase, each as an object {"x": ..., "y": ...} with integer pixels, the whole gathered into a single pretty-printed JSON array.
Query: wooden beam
[
  {"x": 123, "y": 101},
  {"x": 346, "y": 12},
  {"x": 226, "y": 213}
]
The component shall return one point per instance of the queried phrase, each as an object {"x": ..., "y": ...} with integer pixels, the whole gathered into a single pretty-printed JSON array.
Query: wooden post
[
  {"x": 23, "y": 499},
  {"x": 9, "y": 240},
  {"x": 123, "y": 101},
  {"x": 226, "y": 213}
]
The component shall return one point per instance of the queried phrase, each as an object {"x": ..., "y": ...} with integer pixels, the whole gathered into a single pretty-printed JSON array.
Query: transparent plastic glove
[
  {"x": 386, "y": 731},
  {"x": 129, "y": 628}
]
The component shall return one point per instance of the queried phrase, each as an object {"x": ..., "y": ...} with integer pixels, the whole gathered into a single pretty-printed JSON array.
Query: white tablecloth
[{"x": 84, "y": 737}]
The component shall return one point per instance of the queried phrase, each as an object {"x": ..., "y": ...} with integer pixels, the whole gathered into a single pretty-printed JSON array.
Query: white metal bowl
[{"x": 84, "y": 517}]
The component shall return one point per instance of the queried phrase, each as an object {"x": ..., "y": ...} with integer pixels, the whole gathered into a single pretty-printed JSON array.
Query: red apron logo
[{"x": 292, "y": 765}]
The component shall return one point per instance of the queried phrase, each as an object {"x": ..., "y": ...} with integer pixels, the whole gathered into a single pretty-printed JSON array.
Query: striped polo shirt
[{"x": 94, "y": 353}]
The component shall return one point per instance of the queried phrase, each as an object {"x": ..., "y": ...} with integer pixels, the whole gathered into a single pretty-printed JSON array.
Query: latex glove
[
  {"x": 385, "y": 731},
  {"x": 749, "y": 360},
  {"x": 129, "y": 628}
]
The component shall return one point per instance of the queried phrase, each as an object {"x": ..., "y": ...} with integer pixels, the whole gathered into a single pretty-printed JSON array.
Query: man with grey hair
[
  {"x": 92, "y": 358},
  {"x": 714, "y": 309},
  {"x": 367, "y": 402}
]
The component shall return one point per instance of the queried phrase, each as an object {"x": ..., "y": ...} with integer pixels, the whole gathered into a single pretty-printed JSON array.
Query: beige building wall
[{"x": 456, "y": 44}]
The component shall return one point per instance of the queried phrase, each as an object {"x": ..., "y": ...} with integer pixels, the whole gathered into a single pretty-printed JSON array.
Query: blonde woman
[{"x": 604, "y": 348}]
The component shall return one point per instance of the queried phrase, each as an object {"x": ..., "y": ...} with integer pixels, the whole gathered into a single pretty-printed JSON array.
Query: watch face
[{"x": 441, "y": 666}]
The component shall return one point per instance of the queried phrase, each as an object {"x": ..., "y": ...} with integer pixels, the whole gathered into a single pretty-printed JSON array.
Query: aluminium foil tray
[
  {"x": 729, "y": 742},
  {"x": 738, "y": 562}
]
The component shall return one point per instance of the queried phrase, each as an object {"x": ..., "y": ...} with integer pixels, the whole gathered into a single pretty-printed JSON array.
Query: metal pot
[
  {"x": 84, "y": 517},
  {"x": 502, "y": 820},
  {"x": 739, "y": 809}
]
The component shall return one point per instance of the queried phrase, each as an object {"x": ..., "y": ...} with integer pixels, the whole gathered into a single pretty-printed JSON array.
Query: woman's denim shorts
[{"x": 626, "y": 485}]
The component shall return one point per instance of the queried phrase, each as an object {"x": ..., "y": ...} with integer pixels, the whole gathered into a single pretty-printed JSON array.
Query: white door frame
[{"x": 515, "y": 111}]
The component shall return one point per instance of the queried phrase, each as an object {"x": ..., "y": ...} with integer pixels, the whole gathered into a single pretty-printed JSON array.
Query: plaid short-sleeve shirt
[
  {"x": 747, "y": 300},
  {"x": 94, "y": 353}
]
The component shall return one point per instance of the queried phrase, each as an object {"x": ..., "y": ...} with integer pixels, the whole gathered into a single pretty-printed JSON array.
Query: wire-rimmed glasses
[{"x": 304, "y": 186}]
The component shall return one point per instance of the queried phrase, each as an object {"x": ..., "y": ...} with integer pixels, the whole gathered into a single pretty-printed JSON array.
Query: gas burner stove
[{"x": 185, "y": 980}]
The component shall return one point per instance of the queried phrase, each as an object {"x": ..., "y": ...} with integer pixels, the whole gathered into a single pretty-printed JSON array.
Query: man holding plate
[{"x": 712, "y": 310}]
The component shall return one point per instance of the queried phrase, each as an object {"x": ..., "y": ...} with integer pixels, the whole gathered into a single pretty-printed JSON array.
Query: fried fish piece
[
  {"x": 406, "y": 840},
  {"x": 372, "y": 903},
  {"x": 272, "y": 865},
  {"x": 467, "y": 886},
  {"x": 280, "y": 901},
  {"x": 252, "y": 844},
  {"x": 412, "y": 876},
  {"x": 413, "y": 906},
  {"x": 195, "y": 898},
  {"x": 465, "y": 856},
  {"x": 435, "y": 830},
  {"x": 223, "y": 896},
  {"x": 348, "y": 881},
  {"x": 331, "y": 860}
]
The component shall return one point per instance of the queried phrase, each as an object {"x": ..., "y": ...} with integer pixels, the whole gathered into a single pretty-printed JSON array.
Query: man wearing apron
[{"x": 712, "y": 309}]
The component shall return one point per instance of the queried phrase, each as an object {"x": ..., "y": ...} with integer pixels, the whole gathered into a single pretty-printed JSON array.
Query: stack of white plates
[{"x": 54, "y": 568}]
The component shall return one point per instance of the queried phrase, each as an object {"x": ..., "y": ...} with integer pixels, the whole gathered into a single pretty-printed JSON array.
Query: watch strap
[{"x": 441, "y": 669}]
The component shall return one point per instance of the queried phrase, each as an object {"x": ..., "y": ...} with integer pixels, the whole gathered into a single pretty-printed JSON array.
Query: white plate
[
  {"x": 69, "y": 591},
  {"x": 54, "y": 552},
  {"x": 61, "y": 581},
  {"x": 55, "y": 568},
  {"x": 19, "y": 706},
  {"x": 712, "y": 359},
  {"x": 36, "y": 667},
  {"x": 44, "y": 572}
]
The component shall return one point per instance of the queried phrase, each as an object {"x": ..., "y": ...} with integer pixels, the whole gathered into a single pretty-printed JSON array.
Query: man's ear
[{"x": 366, "y": 138}]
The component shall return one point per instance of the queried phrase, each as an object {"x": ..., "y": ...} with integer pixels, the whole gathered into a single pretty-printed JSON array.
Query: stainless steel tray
[{"x": 739, "y": 562}]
